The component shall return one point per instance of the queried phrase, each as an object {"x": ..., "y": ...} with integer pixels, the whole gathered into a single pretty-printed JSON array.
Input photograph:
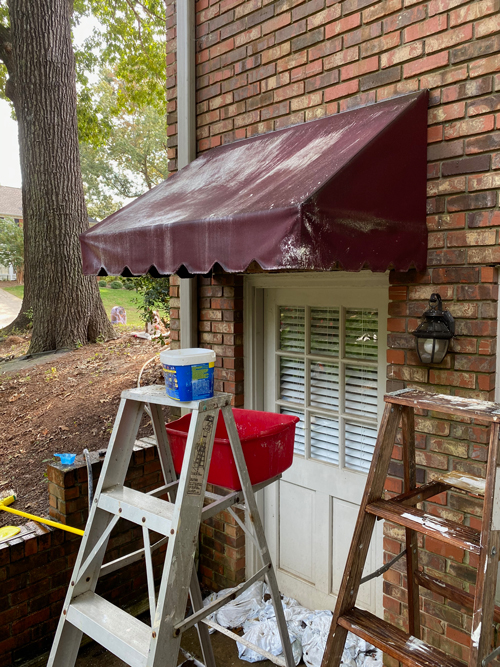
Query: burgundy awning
[{"x": 347, "y": 191}]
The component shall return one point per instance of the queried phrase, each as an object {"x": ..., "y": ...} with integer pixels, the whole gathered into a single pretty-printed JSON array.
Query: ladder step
[
  {"x": 464, "y": 482},
  {"x": 441, "y": 529},
  {"x": 394, "y": 641},
  {"x": 122, "y": 634},
  {"x": 140, "y": 508},
  {"x": 452, "y": 405}
]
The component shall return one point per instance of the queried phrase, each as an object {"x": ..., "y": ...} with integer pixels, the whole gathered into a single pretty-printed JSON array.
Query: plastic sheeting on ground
[{"x": 308, "y": 630}]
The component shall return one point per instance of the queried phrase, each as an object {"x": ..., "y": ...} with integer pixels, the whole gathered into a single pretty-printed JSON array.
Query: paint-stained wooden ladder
[{"x": 409, "y": 649}]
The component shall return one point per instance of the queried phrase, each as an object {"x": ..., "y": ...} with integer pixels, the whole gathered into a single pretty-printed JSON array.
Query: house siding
[{"x": 262, "y": 66}]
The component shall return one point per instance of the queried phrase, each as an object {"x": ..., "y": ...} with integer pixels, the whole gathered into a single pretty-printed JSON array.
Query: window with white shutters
[{"x": 327, "y": 365}]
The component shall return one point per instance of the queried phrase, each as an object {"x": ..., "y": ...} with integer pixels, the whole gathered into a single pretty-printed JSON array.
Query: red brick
[
  {"x": 426, "y": 64},
  {"x": 395, "y": 357},
  {"x": 380, "y": 9},
  {"x": 406, "y": 52},
  {"x": 417, "y": 14},
  {"x": 342, "y": 25},
  {"x": 448, "y": 39},
  {"x": 484, "y": 181},
  {"x": 381, "y": 44},
  {"x": 424, "y": 28},
  {"x": 487, "y": 26},
  {"x": 435, "y": 133},
  {"x": 342, "y": 90},
  {"x": 359, "y": 68},
  {"x": 470, "y": 126},
  {"x": 289, "y": 91},
  {"x": 326, "y": 16},
  {"x": 458, "y": 635},
  {"x": 276, "y": 23},
  {"x": 473, "y": 11},
  {"x": 484, "y": 255},
  {"x": 485, "y": 66}
]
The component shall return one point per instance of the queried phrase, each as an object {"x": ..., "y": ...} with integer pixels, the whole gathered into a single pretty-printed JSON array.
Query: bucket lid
[{"x": 187, "y": 356}]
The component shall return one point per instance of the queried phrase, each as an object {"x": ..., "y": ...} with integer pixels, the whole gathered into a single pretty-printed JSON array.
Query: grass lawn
[
  {"x": 110, "y": 298},
  {"x": 16, "y": 290}
]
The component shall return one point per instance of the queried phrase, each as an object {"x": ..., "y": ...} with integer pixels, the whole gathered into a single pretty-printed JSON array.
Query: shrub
[
  {"x": 102, "y": 283},
  {"x": 116, "y": 284},
  {"x": 129, "y": 284}
]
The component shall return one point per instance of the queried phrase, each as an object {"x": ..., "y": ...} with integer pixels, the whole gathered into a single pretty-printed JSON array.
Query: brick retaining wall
[{"x": 35, "y": 566}]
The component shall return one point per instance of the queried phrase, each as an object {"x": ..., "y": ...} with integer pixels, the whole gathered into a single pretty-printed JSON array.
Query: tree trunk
[{"x": 66, "y": 306}]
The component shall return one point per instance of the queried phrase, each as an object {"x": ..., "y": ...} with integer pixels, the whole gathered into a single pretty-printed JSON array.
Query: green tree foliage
[
  {"x": 11, "y": 245},
  {"x": 153, "y": 295},
  {"x": 130, "y": 41},
  {"x": 134, "y": 157}
]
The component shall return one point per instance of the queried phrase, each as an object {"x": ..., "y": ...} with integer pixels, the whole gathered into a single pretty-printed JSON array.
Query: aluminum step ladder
[
  {"x": 177, "y": 520},
  {"x": 409, "y": 648}
]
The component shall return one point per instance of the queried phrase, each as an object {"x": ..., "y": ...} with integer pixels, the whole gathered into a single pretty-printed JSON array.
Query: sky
[{"x": 10, "y": 170}]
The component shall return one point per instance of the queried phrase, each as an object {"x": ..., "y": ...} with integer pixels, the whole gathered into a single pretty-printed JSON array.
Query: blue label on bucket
[{"x": 189, "y": 383}]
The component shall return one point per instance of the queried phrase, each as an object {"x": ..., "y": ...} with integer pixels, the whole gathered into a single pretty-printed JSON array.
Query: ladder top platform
[
  {"x": 157, "y": 394},
  {"x": 455, "y": 405}
]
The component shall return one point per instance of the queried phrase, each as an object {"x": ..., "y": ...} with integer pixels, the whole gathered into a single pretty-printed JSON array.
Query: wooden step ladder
[
  {"x": 409, "y": 649},
  {"x": 178, "y": 520}
]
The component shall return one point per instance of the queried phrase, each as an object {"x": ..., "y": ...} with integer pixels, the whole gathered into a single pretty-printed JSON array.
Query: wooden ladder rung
[
  {"x": 463, "y": 481},
  {"x": 393, "y": 641},
  {"x": 452, "y": 405},
  {"x": 441, "y": 529},
  {"x": 450, "y": 592},
  {"x": 421, "y": 493}
]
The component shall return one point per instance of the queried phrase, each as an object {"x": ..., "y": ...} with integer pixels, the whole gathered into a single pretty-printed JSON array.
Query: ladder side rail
[
  {"x": 255, "y": 520},
  {"x": 123, "y": 437},
  {"x": 67, "y": 639},
  {"x": 169, "y": 477},
  {"x": 362, "y": 533},
  {"x": 410, "y": 483},
  {"x": 178, "y": 567},
  {"x": 484, "y": 603}
]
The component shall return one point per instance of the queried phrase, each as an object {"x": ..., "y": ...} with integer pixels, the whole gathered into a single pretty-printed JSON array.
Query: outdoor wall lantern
[{"x": 434, "y": 333}]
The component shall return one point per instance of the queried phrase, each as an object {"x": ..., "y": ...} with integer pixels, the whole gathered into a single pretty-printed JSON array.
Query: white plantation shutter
[
  {"x": 325, "y": 439},
  {"x": 361, "y": 392},
  {"x": 300, "y": 434},
  {"x": 292, "y": 383},
  {"x": 361, "y": 334},
  {"x": 325, "y": 324},
  {"x": 359, "y": 445},
  {"x": 325, "y": 385},
  {"x": 328, "y": 377},
  {"x": 292, "y": 329}
]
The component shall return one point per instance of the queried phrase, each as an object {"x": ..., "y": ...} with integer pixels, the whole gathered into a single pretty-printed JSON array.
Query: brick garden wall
[
  {"x": 263, "y": 65},
  {"x": 35, "y": 566}
]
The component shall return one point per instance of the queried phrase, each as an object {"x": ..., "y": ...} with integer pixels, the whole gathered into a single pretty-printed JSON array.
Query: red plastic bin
[{"x": 266, "y": 439}]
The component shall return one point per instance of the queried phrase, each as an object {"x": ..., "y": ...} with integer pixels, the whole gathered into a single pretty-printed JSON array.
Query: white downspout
[{"x": 186, "y": 147}]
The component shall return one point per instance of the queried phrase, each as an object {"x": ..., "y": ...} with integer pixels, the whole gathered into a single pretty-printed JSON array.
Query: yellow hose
[{"x": 10, "y": 499}]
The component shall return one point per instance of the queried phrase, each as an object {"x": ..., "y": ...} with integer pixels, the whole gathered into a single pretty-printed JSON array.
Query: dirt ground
[{"x": 64, "y": 403}]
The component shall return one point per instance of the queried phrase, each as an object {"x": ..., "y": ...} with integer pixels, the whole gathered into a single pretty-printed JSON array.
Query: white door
[{"x": 324, "y": 354}]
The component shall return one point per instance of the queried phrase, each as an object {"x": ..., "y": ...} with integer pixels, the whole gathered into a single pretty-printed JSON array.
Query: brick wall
[
  {"x": 220, "y": 327},
  {"x": 36, "y": 565},
  {"x": 222, "y": 551},
  {"x": 263, "y": 65}
]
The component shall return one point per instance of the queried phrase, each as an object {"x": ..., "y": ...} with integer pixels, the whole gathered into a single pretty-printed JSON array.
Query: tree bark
[{"x": 66, "y": 306}]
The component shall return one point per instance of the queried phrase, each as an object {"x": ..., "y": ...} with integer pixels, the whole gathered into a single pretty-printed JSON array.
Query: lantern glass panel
[{"x": 432, "y": 350}]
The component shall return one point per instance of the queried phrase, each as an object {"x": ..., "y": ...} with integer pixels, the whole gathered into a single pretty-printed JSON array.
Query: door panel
[
  {"x": 296, "y": 525},
  {"x": 324, "y": 362}
]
